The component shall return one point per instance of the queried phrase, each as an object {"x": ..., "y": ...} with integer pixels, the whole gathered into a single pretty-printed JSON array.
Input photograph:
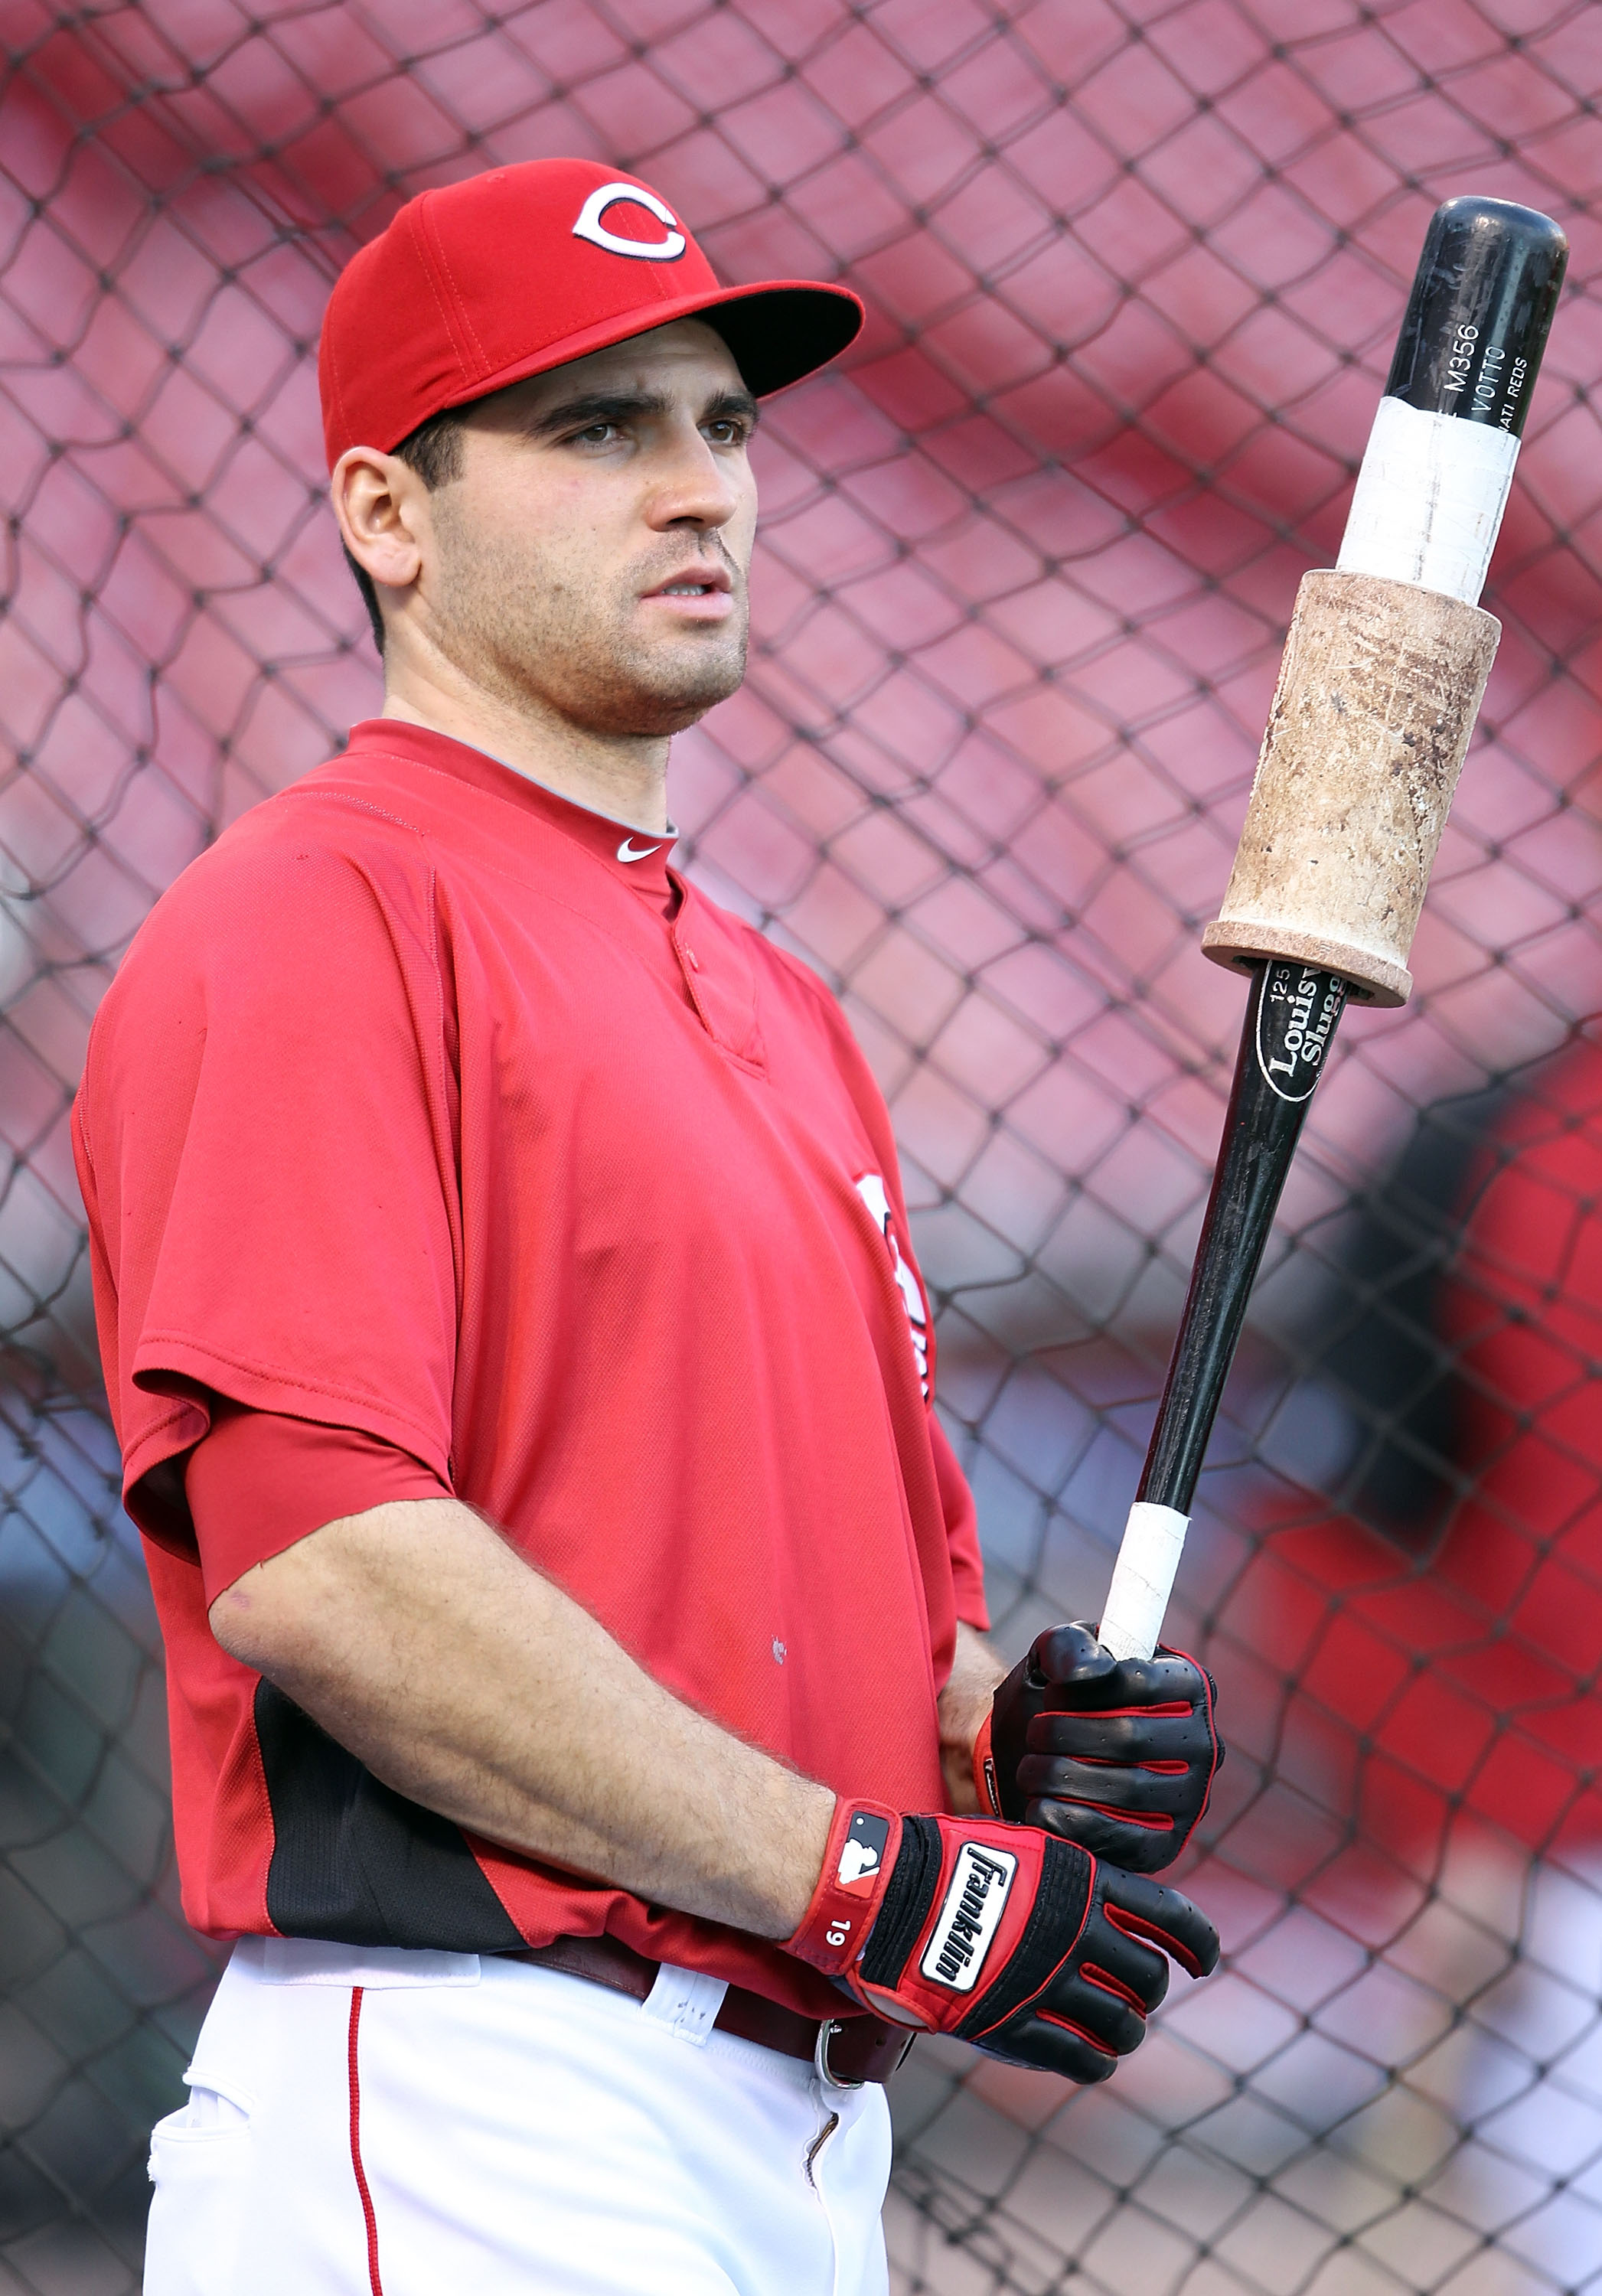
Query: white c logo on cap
[{"x": 590, "y": 226}]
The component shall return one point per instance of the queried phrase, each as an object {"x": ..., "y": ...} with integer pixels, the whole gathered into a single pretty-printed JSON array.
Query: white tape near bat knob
[
  {"x": 1143, "y": 1580},
  {"x": 1429, "y": 501}
]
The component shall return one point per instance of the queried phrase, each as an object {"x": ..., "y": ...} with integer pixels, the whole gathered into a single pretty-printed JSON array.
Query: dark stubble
[{"x": 542, "y": 635}]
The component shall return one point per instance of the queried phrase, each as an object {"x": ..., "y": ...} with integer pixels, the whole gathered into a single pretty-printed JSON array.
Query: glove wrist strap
[{"x": 861, "y": 1850}]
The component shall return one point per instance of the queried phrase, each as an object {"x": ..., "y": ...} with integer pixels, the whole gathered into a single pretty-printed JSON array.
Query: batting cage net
[{"x": 1134, "y": 269}]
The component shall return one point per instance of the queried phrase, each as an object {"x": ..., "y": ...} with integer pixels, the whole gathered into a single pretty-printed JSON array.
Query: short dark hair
[{"x": 434, "y": 451}]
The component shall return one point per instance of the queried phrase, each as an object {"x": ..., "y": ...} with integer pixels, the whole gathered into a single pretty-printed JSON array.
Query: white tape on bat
[
  {"x": 1131, "y": 1620},
  {"x": 1429, "y": 500}
]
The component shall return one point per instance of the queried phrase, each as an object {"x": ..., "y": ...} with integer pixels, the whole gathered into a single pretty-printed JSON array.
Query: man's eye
[
  {"x": 598, "y": 434},
  {"x": 728, "y": 430}
]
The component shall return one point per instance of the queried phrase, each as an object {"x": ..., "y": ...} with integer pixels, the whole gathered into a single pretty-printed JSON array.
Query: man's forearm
[
  {"x": 421, "y": 1642},
  {"x": 964, "y": 1704}
]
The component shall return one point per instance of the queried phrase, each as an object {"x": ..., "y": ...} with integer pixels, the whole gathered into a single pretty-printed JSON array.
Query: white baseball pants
[{"x": 388, "y": 2123}]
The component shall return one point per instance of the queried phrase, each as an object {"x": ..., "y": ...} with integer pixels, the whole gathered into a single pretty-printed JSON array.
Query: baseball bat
[{"x": 1382, "y": 673}]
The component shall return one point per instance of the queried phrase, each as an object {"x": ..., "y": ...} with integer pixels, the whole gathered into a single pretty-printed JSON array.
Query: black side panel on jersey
[{"x": 356, "y": 1862}]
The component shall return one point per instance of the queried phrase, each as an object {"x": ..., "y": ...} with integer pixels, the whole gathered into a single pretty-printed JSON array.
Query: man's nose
[{"x": 693, "y": 485}]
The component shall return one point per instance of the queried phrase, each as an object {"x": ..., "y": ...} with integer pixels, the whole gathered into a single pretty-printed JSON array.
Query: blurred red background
[{"x": 1134, "y": 274}]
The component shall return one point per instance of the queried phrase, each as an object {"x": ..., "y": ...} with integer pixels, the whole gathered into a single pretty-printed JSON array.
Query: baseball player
[{"x": 579, "y": 1710}]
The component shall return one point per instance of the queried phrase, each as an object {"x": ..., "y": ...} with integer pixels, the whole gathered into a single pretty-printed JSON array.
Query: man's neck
[{"x": 623, "y": 776}]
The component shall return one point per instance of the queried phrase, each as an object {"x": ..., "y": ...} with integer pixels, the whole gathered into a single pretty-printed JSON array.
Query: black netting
[{"x": 1134, "y": 272}]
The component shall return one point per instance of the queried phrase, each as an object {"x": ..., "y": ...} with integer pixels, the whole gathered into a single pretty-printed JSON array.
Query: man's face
[{"x": 591, "y": 559}]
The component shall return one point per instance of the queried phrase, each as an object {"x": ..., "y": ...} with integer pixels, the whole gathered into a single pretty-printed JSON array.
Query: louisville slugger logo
[
  {"x": 969, "y": 1917},
  {"x": 1294, "y": 1028}
]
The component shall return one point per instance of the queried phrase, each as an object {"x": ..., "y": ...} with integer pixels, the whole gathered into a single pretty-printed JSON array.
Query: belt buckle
[{"x": 827, "y": 2029}]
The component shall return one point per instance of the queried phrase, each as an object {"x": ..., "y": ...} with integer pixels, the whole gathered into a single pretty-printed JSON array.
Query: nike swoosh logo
[{"x": 626, "y": 853}]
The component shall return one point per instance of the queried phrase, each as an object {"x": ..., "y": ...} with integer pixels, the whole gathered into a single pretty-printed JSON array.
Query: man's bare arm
[
  {"x": 461, "y": 1678},
  {"x": 964, "y": 1704}
]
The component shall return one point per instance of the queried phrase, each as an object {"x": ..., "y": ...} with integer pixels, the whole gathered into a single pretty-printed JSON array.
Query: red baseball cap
[{"x": 480, "y": 283}]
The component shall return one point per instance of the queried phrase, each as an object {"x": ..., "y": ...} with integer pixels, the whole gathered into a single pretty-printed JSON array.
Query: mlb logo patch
[{"x": 862, "y": 1854}]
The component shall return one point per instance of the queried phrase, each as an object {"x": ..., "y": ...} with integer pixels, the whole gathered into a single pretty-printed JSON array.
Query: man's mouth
[{"x": 712, "y": 582}]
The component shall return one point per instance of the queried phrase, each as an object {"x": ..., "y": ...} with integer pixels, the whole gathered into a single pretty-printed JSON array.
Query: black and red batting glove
[
  {"x": 1116, "y": 1754},
  {"x": 1024, "y": 1944}
]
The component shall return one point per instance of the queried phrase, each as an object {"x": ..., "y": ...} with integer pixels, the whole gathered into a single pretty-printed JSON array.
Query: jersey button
[{"x": 691, "y": 960}]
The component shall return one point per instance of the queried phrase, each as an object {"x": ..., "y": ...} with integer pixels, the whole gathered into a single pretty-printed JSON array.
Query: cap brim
[
  {"x": 778, "y": 333},
  {"x": 785, "y": 330}
]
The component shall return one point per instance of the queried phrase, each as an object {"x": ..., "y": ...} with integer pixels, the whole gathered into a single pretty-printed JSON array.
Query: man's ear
[{"x": 381, "y": 506}]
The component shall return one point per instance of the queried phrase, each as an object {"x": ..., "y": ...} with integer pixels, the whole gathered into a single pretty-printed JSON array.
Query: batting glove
[
  {"x": 1116, "y": 1754},
  {"x": 1023, "y": 1943}
]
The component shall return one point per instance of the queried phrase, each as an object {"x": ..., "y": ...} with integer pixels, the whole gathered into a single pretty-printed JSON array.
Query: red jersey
[{"x": 429, "y": 1106}]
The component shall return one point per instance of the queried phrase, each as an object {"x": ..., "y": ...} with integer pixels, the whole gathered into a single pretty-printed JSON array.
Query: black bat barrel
[{"x": 1480, "y": 308}]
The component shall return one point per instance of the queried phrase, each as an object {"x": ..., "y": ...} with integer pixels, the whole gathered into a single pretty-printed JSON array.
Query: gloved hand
[
  {"x": 1116, "y": 1754},
  {"x": 1024, "y": 1944}
]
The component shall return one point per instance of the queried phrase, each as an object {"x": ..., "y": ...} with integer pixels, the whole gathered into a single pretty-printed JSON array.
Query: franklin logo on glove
[{"x": 970, "y": 1917}]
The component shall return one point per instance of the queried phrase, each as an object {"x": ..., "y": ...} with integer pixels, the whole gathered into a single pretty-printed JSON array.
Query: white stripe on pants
[{"x": 519, "y": 2133}]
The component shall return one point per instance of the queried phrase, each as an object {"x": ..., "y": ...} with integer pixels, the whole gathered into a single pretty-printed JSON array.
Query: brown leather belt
[{"x": 846, "y": 2050}]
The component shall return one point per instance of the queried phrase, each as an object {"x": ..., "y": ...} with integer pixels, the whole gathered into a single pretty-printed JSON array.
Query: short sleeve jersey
[{"x": 431, "y": 1106}]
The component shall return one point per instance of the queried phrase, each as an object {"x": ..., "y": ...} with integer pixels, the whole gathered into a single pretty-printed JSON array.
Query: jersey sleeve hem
[
  {"x": 262, "y": 1482},
  {"x": 169, "y": 1356}
]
